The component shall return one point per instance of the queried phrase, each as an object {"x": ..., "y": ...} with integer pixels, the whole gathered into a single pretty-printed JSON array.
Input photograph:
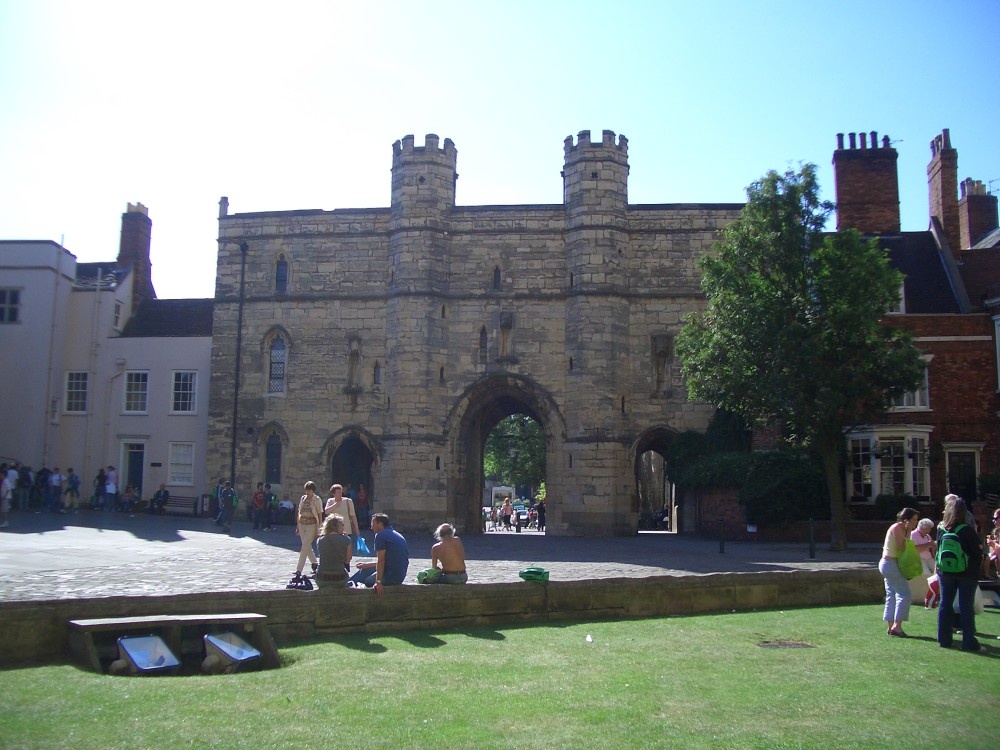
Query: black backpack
[{"x": 300, "y": 582}]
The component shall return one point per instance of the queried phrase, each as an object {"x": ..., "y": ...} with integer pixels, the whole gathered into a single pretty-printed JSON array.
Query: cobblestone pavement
[{"x": 93, "y": 554}]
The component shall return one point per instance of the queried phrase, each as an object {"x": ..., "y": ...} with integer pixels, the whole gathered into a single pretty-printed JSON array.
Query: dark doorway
[
  {"x": 135, "y": 457},
  {"x": 352, "y": 467},
  {"x": 962, "y": 474}
]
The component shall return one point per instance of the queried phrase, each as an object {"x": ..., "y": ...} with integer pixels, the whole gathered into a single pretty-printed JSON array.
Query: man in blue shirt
[{"x": 393, "y": 557}]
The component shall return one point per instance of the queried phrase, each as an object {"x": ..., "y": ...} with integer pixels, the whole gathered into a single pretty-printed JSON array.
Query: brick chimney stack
[
  {"x": 977, "y": 213},
  {"x": 867, "y": 184},
  {"x": 133, "y": 251},
  {"x": 942, "y": 183}
]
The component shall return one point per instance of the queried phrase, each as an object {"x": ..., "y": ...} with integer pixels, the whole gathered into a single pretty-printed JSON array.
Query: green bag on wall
[{"x": 534, "y": 574}]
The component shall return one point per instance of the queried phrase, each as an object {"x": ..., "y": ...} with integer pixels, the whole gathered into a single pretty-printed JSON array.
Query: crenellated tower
[
  {"x": 595, "y": 196},
  {"x": 423, "y": 198},
  {"x": 423, "y": 177}
]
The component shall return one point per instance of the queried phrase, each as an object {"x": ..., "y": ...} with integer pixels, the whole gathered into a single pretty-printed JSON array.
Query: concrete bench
[{"x": 89, "y": 639}]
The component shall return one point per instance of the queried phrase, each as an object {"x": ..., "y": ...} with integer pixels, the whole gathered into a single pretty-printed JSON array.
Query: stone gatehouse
[{"x": 382, "y": 345}]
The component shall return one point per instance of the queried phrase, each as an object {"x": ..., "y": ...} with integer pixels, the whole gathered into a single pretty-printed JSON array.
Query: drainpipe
[
  {"x": 236, "y": 371},
  {"x": 47, "y": 419},
  {"x": 120, "y": 364},
  {"x": 95, "y": 348}
]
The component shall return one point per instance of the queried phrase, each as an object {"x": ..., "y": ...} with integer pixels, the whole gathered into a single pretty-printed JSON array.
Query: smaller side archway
[{"x": 659, "y": 502}]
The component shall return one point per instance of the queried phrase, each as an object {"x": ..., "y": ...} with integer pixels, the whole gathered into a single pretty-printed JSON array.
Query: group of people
[
  {"x": 334, "y": 527},
  {"x": 23, "y": 488},
  {"x": 505, "y": 517},
  {"x": 953, "y": 553},
  {"x": 55, "y": 492},
  {"x": 106, "y": 495}
]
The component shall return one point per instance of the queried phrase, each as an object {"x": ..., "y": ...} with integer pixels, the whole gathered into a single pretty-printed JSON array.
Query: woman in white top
[
  {"x": 309, "y": 518},
  {"x": 343, "y": 506},
  {"x": 925, "y": 545}
]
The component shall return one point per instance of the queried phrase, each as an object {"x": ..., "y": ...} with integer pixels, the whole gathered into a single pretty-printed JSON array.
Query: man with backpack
[{"x": 959, "y": 558}]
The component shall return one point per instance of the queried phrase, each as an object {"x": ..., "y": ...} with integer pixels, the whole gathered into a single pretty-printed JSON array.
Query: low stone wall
[{"x": 37, "y": 631}]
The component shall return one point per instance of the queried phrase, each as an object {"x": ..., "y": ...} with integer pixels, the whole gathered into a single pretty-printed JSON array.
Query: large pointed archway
[{"x": 476, "y": 413}]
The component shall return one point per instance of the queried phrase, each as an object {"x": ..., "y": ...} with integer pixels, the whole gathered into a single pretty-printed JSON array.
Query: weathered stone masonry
[{"x": 411, "y": 330}]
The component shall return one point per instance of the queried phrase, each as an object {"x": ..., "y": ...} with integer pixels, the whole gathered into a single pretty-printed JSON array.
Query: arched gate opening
[{"x": 476, "y": 413}]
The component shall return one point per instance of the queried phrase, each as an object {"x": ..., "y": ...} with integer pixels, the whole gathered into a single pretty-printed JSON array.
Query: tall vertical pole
[{"x": 236, "y": 371}]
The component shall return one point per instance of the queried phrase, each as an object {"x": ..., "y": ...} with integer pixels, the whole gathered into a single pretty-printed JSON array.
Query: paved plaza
[{"x": 93, "y": 554}]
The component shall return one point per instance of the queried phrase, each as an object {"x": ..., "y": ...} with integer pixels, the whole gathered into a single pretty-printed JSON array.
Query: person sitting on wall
[
  {"x": 159, "y": 502},
  {"x": 128, "y": 500},
  {"x": 448, "y": 556},
  {"x": 334, "y": 547},
  {"x": 393, "y": 557}
]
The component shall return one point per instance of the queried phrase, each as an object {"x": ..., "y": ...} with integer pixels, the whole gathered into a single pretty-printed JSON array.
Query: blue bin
[
  {"x": 147, "y": 654},
  {"x": 230, "y": 652}
]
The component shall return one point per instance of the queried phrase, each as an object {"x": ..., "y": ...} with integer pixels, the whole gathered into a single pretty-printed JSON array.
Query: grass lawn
[{"x": 687, "y": 682}]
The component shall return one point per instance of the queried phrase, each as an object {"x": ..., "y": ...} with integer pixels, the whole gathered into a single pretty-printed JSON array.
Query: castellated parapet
[
  {"x": 382, "y": 345},
  {"x": 423, "y": 177},
  {"x": 595, "y": 175}
]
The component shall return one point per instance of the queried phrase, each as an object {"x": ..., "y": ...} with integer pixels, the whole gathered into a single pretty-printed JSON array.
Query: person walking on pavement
[
  {"x": 340, "y": 504},
  {"x": 310, "y": 516},
  {"x": 6, "y": 494},
  {"x": 217, "y": 497},
  {"x": 229, "y": 499}
]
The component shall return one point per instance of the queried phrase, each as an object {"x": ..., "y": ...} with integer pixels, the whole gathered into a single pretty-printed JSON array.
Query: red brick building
[{"x": 946, "y": 435}]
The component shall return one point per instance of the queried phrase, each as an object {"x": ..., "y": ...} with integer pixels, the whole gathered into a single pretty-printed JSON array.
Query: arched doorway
[
  {"x": 659, "y": 503},
  {"x": 352, "y": 464},
  {"x": 477, "y": 412}
]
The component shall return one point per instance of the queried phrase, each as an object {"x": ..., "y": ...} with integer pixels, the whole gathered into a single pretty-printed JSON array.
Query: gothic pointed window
[
  {"x": 277, "y": 361},
  {"x": 281, "y": 275}
]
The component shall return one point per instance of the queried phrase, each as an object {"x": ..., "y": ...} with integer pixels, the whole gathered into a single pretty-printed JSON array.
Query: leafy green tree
[
  {"x": 792, "y": 332},
  {"x": 515, "y": 452}
]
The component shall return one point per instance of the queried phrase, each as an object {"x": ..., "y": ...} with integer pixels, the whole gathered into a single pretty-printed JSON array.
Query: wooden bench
[
  {"x": 89, "y": 639},
  {"x": 182, "y": 505}
]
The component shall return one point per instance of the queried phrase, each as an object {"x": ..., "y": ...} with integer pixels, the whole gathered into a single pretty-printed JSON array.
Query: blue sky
[{"x": 296, "y": 105}]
